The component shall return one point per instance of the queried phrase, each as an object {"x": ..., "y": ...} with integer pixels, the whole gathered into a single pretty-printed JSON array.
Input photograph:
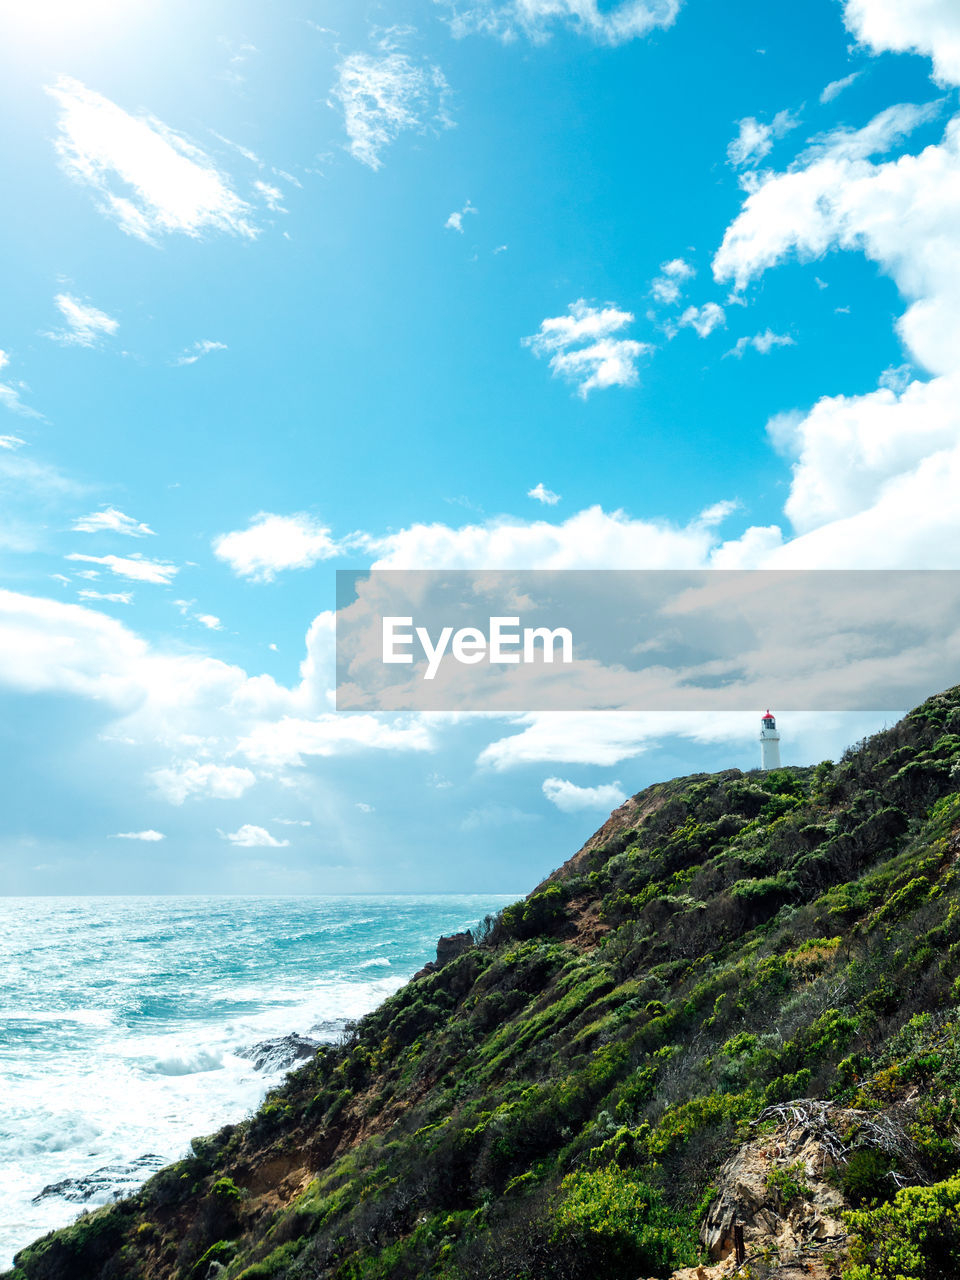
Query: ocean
[{"x": 126, "y": 1024}]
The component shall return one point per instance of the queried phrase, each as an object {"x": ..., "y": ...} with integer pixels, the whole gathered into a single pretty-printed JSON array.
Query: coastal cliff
[{"x": 733, "y": 1015}]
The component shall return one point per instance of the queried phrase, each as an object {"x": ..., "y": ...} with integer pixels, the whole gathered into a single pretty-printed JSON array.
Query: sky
[{"x": 436, "y": 284}]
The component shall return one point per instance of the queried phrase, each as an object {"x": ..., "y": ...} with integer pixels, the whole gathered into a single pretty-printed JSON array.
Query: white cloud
[
  {"x": 364, "y": 807},
  {"x": 110, "y": 520},
  {"x": 666, "y": 288},
  {"x": 582, "y": 348},
  {"x": 271, "y": 196},
  {"x": 929, "y": 27},
  {"x": 704, "y": 319},
  {"x": 570, "y": 798},
  {"x": 86, "y": 326},
  {"x": 199, "y": 349},
  {"x": 286, "y": 742},
  {"x": 148, "y": 179},
  {"x": 545, "y": 496},
  {"x": 10, "y": 399},
  {"x": 589, "y": 539},
  {"x": 587, "y": 738},
  {"x": 873, "y": 474},
  {"x": 209, "y": 620},
  {"x": 273, "y": 543},
  {"x": 136, "y": 568},
  {"x": 717, "y": 512},
  {"x": 455, "y": 221},
  {"x": 763, "y": 342},
  {"x": 385, "y": 94},
  {"x": 211, "y": 723},
  {"x": 195, "y": 778},
  {"x": 293, "y": 822},
  {"x": 251, "y": 837},
  {"x": 111, "y": 597},
  {"x": 755, "y": 140},
  {"x": 149, "y": 837},
  {"x": 610, "y": 24},
  {"x": 836, "y": 87},
  {"x": 880, "y": 135},
  {"x": 832, "y": 196},
  {"x": 11, "y": 442}
]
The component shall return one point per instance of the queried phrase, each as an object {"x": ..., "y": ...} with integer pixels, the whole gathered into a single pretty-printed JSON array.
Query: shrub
[
  {"x": 865, "y": 1178},
  {"x": 618, "y": 1227},
  {"x": 914, "y": 1237},
  {"x": 788, "y": 1183}
]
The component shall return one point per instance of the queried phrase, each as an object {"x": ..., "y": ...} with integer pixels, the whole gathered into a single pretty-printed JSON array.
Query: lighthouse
[{"x": 769, "y": 742}]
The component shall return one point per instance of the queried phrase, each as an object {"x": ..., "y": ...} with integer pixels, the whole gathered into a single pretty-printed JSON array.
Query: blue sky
[{"x": 454, "y": 283}]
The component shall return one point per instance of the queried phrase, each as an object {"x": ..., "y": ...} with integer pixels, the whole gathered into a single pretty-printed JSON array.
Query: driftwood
[{"x": 817, "y": 1119}]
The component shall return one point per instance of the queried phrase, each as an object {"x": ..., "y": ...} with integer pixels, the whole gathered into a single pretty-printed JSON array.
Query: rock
[
  {"x": 455, "y": 944},
  {"x": 279, "y": 1054},
  {"x": 110, "y": 1182},
  {"x": 448, "y": 948},
  {"x": 798, "y": 1230}
]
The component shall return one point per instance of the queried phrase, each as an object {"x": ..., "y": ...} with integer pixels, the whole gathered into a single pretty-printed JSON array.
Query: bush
[
  {"x": 914, "y": 1237},
  {"x": 788, "y": 1183},
  {"x": 618, "y": 1227},
  {"x": 865, "y": 1178}
]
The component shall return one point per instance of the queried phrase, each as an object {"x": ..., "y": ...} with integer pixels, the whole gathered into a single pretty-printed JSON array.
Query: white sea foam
[{"x": 127, "y": 1015}]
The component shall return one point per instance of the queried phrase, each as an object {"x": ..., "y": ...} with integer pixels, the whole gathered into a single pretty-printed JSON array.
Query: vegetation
[{"x": 557, "y": 1101}]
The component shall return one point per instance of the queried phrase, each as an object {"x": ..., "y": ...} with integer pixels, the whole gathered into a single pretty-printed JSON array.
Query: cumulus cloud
[
  {"x": 763, "y": 342},
  {"x": 543, "y": 495},
  {"x": 667, "y": 286},
  {"x": 570, "y": 798},
  {"x": 865, "y": 465},
  {"x": 135, "y": 568},
  {"x": 385, "y": 94},
  {"x": 250, "y": 837},
  {"x": 582, "y": 348},
  {"x": 199, "y": 349},
  {"x": 704, "y": 319},
  {"x": 149, "y": 837},
  {"x": 148, "y": 179},
  {"x": 831, "y": 195},
  {"x": 197, "y": 778},
  {"x": 85, "y": 325},
  {"x": 607, "y": 24},
  {"x": 755, "y": 140},
  {"x": 212, "y": 722},
  {"x": 272, "y": 543},
  {"x": 455, "y": 221},
  {"x": 110, "y": 520},
  {"x": 930, "y": 27},
  {"x": 210, "y": 621},
  {"x": 589, "y": 539},
  {"x": 11, "y": 442}
]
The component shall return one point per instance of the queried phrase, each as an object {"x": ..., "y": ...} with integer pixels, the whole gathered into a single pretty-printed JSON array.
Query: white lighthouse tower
[{"x": 769, "y": 742}]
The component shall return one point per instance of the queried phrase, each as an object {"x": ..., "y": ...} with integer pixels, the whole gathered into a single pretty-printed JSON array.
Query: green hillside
[{"x": 558, "y": 1101}]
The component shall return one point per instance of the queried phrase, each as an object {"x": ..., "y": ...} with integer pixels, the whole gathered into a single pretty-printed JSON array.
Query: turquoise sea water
[{"x": 123, "y": 1021}]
